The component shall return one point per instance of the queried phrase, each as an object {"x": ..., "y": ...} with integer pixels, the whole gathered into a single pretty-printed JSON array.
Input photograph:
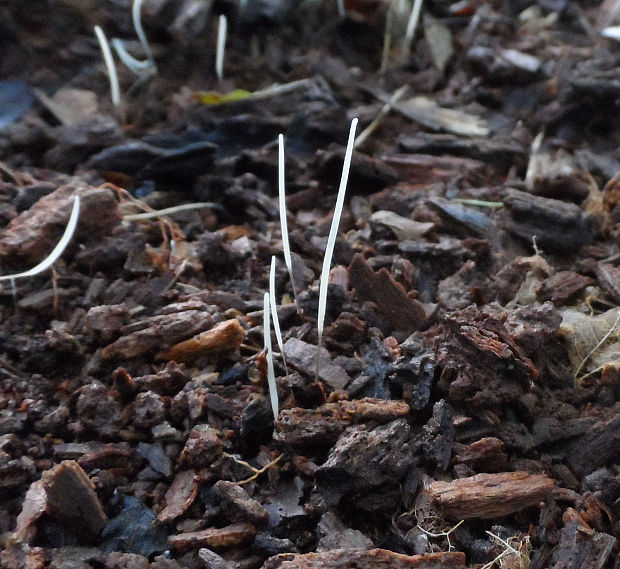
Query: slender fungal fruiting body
[
  {"x": 221, "y": 46},
  {"x": 56, "y": 251},
  {"x": 115, "y": 92},
  {"x": 331, "y": 241},
  {"x": 271, "y": 375}
]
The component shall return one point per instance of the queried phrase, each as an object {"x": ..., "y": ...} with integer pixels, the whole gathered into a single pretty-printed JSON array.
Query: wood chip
[
  {"x": 397, "y": 310},
  {"x": 488, "y": 496},
  {"x": 216, "y": 538},
  {"x": 180, "y": 495},
  {"x": 152, "y": 333},
  {"x": 362, "y": 559},
  {"x": 224, "y": 337}
]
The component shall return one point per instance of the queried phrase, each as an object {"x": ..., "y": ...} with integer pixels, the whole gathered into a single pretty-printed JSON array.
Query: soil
[{"x": 465, "y": 410}]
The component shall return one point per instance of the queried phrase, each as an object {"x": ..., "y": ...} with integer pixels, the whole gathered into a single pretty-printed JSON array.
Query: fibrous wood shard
[
  {"x": 362, "y": 559},
  {"x": 487, "y": 496}
]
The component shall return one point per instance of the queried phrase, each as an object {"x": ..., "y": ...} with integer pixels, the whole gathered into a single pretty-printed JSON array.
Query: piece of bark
[
  {"x": 238, "y": 505},
  {"x": 31, "y": 236},
  {"x": 427, "y": 169},
  {"x": 558, "y": 226},
  {"x": 67, "y": 495},
  {"x": 396, "y": 309},
  {"x": 216, "y": 538},
  {"x": 597, "y": 447},
  {"x": 34, "y": 506},
  {"x": 608, "y": 277},
  {"x": 304, "y": 427},
  {"x": 180, "y": 495},
  {"x": 156, "y": 332},
  {"x": 302, "y": 356},
  {"x": 488, "y": 496},
  {"x": 364, "y": 458},
  {"x": 502, "y": 153},
  {"x": 484, "y": 455},
  {"x": 562, "y": 287},
  {"x": 226, "y": 336},
  {"x": 212, "y": 560},
  {"x": 365, "y": 559},
  {"x": 581, "y": 548},
  {"x": 333, "y": 534}
]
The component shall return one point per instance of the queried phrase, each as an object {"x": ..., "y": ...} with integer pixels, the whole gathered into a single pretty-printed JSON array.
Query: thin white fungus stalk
[
  {"x": 115, "y": 92},
  {"x": 274, "y": 310},
  {"x": 57, "y": 251},
  {"x": 271, "y": 375},
  {"x": 286, "y": 246},
  {"x": 341, "y": 9},
  {"x": 221, "y": 46},
  {"x": 331, "y": 242},
  {"x": 412, "y": 24},
  {"x": 136, "y": 12}
]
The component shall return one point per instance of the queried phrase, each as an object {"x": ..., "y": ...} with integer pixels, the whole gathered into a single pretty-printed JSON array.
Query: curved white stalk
[
  {"x": 136, "y": 13},
  {"x": 57, "y": 251},
  {"x": 271, "y": 375},
  {"x": 274, "y": 310},
  {"x": 136, "y": 66},
  {"x": 331, "y": 242},
  {"x": 221, "y": 46},
  {"x": 115, "y": 92}
]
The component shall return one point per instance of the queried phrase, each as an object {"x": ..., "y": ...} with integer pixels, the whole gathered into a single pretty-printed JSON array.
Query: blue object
[{"x": 15, "y": 99}]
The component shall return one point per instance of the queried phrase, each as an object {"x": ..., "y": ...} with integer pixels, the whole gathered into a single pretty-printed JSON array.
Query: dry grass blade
[
  {"x": 331, "y": 241},
  {"x": 57, "y": 251},
  {"x": 271, "y": 376}
]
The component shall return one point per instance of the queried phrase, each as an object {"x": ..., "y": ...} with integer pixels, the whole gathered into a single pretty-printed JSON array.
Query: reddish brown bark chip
[
  {"x": 397, "y": 310},
  {"x": 362, "y": 559},
  {"x": 299, "y": 427},
  {"x": 484, "y": 455},
  {"x": 32, "y": 235},
  {"x": 216, "y": 538},
  {"x": 487, "y": 496},
  {"x": 562, "y": 287},
  {"x": 180, "y": 495},
  {"x": 224, "y": 337}
]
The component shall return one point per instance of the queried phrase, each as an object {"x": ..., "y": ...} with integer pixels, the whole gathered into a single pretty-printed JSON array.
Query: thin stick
[
  {"x": 331, "y": 242},
  {"x": 274, "y": 310},
  {"x": 170, "y": 211},
  {"x": 380, "y": 116},
  {"x": 271, "y": 376},
  {"x": 57, "y": 251},
  {"x": 286, "y": 246},
  {"x": 115, "y": 92},
  {"x": 221, "y": 46}
]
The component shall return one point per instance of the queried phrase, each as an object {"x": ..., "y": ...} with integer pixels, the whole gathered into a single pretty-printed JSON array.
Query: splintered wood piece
[
  {"x": 365, "y": 559},
  {"x": 488, "y": 496},
  {"x": 224, "y": 337},
  {"x": 216, "y": 538},
  {"x": 398, "y": 311},
  {"x": 180, "y": 495},
  {"x": 71, "y": 499},
  {"x": 486, "y": 455},
  {"x": 153, "y": 333},
  {"x": 302, "y": 427}
]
